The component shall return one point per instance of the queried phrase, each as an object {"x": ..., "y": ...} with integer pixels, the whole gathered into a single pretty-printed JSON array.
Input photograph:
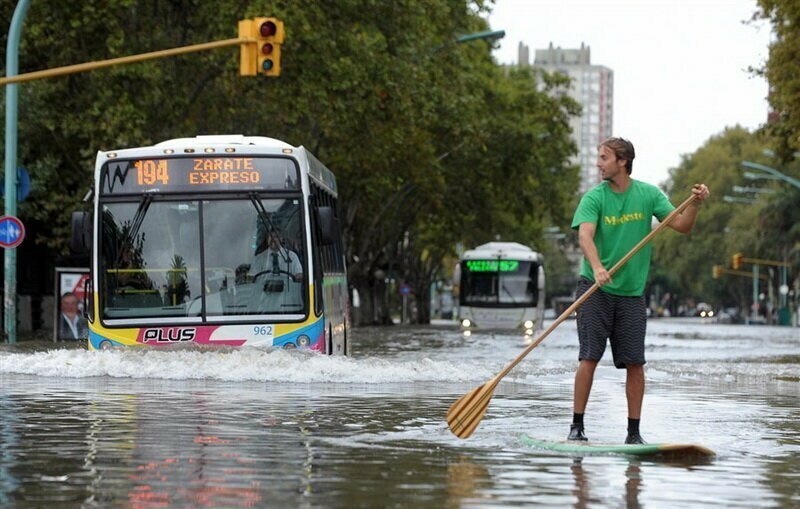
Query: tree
[
  {"x": 781, "y": 71},
  {"x": 424, "y": 135},
  {"x": 765, "y": 229}
]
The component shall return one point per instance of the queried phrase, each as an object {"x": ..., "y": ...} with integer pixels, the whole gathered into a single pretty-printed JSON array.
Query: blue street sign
[
  {"x": 12, "y": 232},
  {"x": 405, "y": 289},
  {"x": 23, "y": 184}
]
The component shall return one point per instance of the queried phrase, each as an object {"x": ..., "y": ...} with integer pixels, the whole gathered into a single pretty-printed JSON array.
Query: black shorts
[{"x": 622, "y": 320}]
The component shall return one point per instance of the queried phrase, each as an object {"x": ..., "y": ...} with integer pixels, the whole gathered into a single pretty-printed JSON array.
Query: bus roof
[
  {"x": 503, "y": 250},
  {"x": 201, "y": 142},
  {"x": 225, "y": 139},
  {"x": 238, "y": 143}
]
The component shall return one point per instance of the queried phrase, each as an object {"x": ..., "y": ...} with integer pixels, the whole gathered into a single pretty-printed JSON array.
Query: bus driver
[{"x": 277, "y": 261}]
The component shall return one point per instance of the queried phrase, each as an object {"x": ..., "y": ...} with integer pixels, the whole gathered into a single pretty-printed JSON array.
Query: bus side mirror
[
  {"x": 327, "y": 225},
  {"x": 81, "y": 242}
]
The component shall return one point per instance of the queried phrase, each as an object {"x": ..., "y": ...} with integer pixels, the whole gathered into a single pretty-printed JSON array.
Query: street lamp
[
  {"x": 741, "y": 189},
  {"x": 488, "y": 34},
  {"x": 759, "y": 176},
  {"x": 771, "y": 171},
  {"x": 737, "y": 199}
]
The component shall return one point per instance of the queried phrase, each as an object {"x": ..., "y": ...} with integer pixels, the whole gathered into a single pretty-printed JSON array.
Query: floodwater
[{"x": 254, "y": 428}]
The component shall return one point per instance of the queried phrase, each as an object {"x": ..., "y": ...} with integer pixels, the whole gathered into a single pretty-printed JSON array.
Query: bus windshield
[
  {"x": 202, "y": 259},
  {"x": 498, "y": 283}
]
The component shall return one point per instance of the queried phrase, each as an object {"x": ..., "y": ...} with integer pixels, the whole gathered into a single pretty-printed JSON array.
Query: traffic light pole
[
  {"x": 755, "y": 292},
  {"x": 719, "y": 270},
  {"x": 72, "y": 69},
  {"x": 10, "y": 255},
  {"x": 10, "y": 82},
  {"x": 738, "y": 259}
]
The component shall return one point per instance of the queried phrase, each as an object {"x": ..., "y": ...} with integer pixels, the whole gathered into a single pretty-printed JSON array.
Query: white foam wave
[
  {"x": 731, "y": 371},
  {"x": 238, "y": 365}
]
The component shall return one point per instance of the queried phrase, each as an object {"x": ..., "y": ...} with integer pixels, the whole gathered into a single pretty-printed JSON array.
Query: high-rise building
[{"x": 592, "y": 87}]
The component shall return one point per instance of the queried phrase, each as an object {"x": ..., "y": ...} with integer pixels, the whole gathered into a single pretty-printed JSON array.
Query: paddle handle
[{"x": 575, "y": 305}]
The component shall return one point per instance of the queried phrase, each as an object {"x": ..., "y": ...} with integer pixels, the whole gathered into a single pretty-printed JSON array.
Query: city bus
[
  {"x": 501, "y": 286},
  {"x": 214, "y": 240}
]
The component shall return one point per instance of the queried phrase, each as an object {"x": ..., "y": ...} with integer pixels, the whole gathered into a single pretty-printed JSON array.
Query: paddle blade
[{"x": 466, "y": 413}]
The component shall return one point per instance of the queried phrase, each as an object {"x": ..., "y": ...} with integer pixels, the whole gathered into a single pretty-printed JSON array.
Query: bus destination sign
[
  {"x": 492, "y": 265},
  {"x": 198, "y": 174}
]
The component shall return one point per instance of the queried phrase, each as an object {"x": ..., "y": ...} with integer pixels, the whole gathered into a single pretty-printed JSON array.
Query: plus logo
[{"x": 168, "y": 335}]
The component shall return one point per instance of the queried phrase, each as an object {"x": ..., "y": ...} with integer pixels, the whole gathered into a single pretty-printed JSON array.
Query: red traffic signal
[
  {"x": 270, "y": 36},
  {"x": 268, "y": 28},
  {"x": 261, "y": 51}
]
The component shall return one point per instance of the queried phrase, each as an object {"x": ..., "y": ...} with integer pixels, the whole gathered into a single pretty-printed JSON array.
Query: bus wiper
[
  {"x": 266, "y": 221},
  {"x": 138, "y": 218},
  {"x": 513, "y": 300},
  {"x": 502, "y": 281},
  {"x": 136, "y": 224}
]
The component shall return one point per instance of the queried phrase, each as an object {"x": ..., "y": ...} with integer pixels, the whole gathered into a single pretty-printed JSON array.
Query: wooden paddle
[{"x": 466, "y": 413}]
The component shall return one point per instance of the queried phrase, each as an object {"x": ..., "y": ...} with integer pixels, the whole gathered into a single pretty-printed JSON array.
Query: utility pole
[
  {"x": 736, "y": 262},
  {"x": 10, "y": 255}
]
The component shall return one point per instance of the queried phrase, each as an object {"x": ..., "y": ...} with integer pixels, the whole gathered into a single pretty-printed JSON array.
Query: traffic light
[
  {"x": 248, "y": 51},
  {"x": 736, "y": 261},
  {"x": 269, "y": 37},
  {"x": 716, "y": 271}
]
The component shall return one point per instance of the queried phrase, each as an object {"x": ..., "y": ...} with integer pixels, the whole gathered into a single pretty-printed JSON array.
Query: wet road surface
[{"x": 254, "y": 428}]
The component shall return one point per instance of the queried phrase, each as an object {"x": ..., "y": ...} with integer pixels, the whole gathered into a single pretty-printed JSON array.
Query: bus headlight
[
  {"x": 529, "y": 332},
  {"x": 528, "y": 324},
  {"x": 466, "y": 323},
  {"x": 303, "y": 340},
  {"x": 467, "y": 333}
]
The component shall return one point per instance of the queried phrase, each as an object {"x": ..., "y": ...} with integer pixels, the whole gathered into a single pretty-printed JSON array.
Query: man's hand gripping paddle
[{"x": 466, "y": 413}]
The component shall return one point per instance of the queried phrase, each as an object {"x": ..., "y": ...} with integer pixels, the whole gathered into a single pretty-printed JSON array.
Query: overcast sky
[{"x": 680, "y": 66}]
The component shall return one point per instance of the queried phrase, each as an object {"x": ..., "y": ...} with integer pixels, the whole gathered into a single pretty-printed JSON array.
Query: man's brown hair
[{"x": 623, "y": 149}]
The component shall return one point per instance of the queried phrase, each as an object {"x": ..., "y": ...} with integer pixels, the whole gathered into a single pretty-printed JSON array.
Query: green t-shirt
[{"x": 622, "y": 219}]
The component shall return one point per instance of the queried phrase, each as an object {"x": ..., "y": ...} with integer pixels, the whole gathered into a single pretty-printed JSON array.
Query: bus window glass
[
  {"x": 254, "y": 257},
  {"x": 150, "y": 258},
  {"x": 493, "y": 283}
]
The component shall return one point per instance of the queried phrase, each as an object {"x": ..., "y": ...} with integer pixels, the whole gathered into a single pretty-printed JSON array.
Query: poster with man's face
[{"x": 70, "y": 322}]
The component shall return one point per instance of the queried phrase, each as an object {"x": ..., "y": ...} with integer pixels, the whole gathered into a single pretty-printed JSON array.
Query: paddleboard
[{"x": 587, "y": 448}]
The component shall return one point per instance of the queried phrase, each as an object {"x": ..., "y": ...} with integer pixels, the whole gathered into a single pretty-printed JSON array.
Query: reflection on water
[
  {"x": 221, "y": 429},
  {"x": 634, "y": 480},
  {"x": 466, "y": 482}
]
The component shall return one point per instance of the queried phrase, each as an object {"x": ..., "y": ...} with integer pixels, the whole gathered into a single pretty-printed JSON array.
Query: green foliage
[
  {"x": 781, "y": 71},
  {"x": 766, "y": 229},
  {"x": 432, "y": 142}
]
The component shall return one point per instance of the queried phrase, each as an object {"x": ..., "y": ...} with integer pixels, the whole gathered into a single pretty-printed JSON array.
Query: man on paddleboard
[{"x": 611, "y": 219}]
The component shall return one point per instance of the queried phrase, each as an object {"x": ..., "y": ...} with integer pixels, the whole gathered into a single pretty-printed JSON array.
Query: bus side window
[{"x": 317, "y": 253}]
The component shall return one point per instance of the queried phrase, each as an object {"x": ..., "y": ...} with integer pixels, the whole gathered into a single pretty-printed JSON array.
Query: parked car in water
[{"x": 729, "y": 315}]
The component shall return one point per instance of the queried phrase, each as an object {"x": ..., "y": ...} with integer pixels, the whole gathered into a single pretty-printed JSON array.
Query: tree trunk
[
  {"x": 423, "y": 298},
  {"x": 373, "y": 309}
]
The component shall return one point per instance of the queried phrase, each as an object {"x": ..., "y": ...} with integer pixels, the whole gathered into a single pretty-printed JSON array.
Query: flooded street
[{"x": 253, "y": 428}]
